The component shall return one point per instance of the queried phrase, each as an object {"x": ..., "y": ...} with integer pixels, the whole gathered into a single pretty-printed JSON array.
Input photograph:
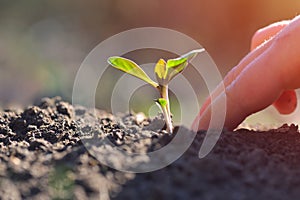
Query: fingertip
[
  {"x": 266, "y": 33},
  {"x": 287, "y": 102}
]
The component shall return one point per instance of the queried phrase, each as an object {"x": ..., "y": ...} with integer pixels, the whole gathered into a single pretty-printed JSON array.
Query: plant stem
[{"x": 166, "y": 110}]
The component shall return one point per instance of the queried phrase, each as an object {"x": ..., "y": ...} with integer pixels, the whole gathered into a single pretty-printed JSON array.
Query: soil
[{"x": 42, "y": 156}]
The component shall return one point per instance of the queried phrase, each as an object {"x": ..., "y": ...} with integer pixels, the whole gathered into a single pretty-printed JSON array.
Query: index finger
[
  {"x": 261, "y": 41},
  {"x": 246, "y": 81}
]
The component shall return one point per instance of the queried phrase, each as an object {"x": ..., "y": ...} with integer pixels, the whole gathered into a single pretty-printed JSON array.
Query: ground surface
[{"x": 43, "y": 157}]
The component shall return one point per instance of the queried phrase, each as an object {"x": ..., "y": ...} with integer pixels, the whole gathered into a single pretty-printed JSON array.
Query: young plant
[{"x": 164, "y": 72}]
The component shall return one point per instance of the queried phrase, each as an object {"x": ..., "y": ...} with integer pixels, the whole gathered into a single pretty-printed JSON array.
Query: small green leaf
[
  {"x": 174, "y": 71},
  {"x": 185, "y": 57},
  {"x": 162, "y": 102},
  {"x": 161, "y": 71},
  {"x": 177, "y": 65},
  {"x": 131, "y": 68},
  {"x": 175, "y": 62}
]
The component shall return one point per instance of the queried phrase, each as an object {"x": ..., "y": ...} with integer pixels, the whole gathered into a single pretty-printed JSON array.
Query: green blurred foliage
[{"x": 61, "y": 183}]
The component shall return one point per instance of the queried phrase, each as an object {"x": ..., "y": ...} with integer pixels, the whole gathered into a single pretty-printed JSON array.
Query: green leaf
[
  {"x": 131, "y": 68},
  {"x": 175, "y": 62},
  {"x": 174, "y": 71},
  {"x": 185, "y": 57},
  {"x": 177, "y": 65},
  {"x": 161, "y": 71}
]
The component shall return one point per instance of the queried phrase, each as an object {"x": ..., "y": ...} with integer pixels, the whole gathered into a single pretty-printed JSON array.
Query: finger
[
  {"x": 267, "y": 32},
  {"x": 235, "y": 72},
  {"x": 257, "y": 86},
  {"x": 261, "y": 40},
  {"x": 287, "y": 102},
  {"x": 245, "y": 95}
]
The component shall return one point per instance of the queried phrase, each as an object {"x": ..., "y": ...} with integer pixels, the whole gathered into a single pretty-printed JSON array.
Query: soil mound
[{"x": 43, "y": 155}]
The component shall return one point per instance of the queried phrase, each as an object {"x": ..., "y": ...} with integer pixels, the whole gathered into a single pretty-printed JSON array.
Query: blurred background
[{"x": 42, "y": 43}]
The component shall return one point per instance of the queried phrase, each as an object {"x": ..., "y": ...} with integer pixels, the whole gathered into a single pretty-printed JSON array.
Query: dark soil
[{"x": 42, "y": 157}]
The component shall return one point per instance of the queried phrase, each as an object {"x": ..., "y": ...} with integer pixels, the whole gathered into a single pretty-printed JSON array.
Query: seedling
[{"x": 164, "y": 72}]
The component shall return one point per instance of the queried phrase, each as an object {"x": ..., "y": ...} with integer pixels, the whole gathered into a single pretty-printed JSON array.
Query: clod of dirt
[{"x": 43, "y": 155}]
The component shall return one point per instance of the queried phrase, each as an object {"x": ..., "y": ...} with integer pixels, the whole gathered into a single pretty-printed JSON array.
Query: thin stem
[
  {"x": 167, "y": 119},
  {"x": 167, "y": 113}
]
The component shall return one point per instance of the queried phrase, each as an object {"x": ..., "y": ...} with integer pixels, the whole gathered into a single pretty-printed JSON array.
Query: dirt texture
[{"x": 43, "y": 156}]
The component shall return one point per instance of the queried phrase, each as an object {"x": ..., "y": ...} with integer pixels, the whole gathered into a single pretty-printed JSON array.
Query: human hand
[{"x": 267, "y": 75}]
